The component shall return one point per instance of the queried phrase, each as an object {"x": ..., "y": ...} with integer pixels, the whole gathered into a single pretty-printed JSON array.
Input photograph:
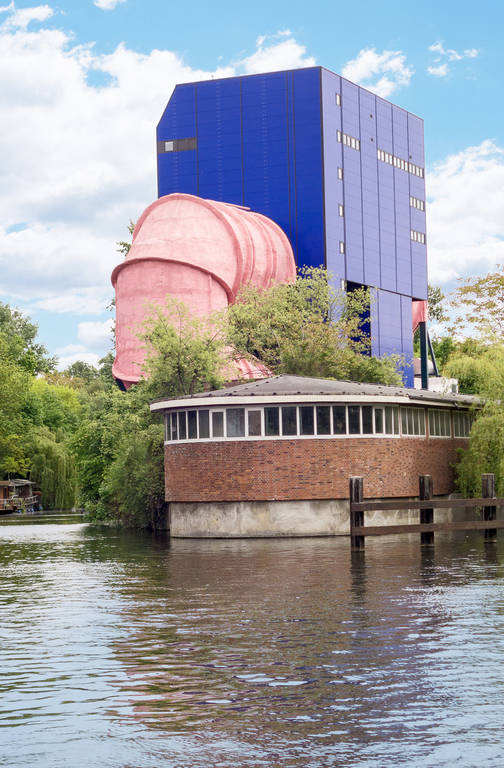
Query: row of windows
[
  {"x": 418, "y": 237},
  {"x": 176, "y": 145},
  {"x": 398, "y": 162},
  {"x": 416, "y": 203},
  {"x": 316, "y": 420},
  {"x": 348, "y": 141}
]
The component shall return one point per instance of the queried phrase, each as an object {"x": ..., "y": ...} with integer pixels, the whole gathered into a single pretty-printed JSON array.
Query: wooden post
[
  {"x": 356, "y": 518},
  {"x": 489, "y": 513},
  {"x": 427, "y": 514}
]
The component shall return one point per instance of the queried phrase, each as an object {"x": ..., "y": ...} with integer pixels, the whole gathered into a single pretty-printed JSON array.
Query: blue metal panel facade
[{"x": 270, "y": 142}]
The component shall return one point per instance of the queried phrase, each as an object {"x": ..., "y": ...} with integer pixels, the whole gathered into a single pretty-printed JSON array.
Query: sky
[{"x": 83, "y": 84}]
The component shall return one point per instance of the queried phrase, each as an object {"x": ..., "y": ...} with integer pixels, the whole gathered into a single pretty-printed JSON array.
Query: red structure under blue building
[{"x": 338, "y": 168}]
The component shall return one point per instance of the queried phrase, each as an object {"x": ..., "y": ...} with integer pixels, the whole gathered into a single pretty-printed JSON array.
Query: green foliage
[
  {"x": 81, "y": 370},
  {"x": 479, "y": 302},
  {"x": 52, "y": 468},
  {"x": 479, "y": 369},
  {"x": 436, "y": 301},
  {"x": 20, "y": 345},
  {"x": 308, "y": 329},
  {"x": 184, "y": 354},
  {"x": 123, "y": 246},
  {"x": 485, "y": 452}
]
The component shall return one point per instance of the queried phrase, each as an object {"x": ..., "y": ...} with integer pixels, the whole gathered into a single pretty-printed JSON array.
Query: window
[
  {"x": 254, "y": 423},
  {"x": 354, "y": 419},
  {"x": 289, "y": 420},
  {"x": 412, "y": 421},
  {"x": 367, "y": 419},
  {"x": 235, "y": 422},
  {"x": 306, "y": 420},
  {"x": 340, "y": 210},
  {"x": 182, "y": 429},
  {"x": 338, "y": 99},
  {"x": 348, "y": 141},
  {"x": 174, "y": 427},
  {"x": 167, "y": 427},
  {"x": 340, "y": 173},
  {"x": 192, "y": 425},
  {"x": 176, "y": 145},
  {"x": 439, "y": 423},
  {"x": 417, "y": 237},
  {"x": 462, "y": 421},
  {"x": 342, "y": 247},
  {"x": 323, "y": 420},
  {"x": 339, "y": 419},
  {"x": 203, "y": 424},
  {"x": 217, "y": 423},
  {"x": 416, "y": 203},
  {"x": 398, "y": 162},
  {"x": 391, "y": 421},
  {"x": 271, "y": 421},
  {"x": 379, "y": 421}
]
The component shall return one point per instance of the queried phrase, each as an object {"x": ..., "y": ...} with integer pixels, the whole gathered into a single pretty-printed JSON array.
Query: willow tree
[{"x": 53, "y": 470}]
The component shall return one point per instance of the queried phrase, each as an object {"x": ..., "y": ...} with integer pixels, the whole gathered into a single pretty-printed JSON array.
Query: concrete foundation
[{"x": 243, "y": 519}]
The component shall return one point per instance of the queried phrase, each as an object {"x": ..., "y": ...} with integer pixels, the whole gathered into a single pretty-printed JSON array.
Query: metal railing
[{"x": 18, "y": 502}]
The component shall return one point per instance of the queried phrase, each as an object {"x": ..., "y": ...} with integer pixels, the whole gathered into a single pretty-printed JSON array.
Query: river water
[{"x": 126, "y": 650}]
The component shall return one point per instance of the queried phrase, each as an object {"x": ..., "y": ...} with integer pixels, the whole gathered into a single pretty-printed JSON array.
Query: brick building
[{"x": 274, "y": 457}]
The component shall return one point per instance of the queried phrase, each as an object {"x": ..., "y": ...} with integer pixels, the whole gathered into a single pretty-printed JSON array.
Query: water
[{"x": 123, "y": 650}]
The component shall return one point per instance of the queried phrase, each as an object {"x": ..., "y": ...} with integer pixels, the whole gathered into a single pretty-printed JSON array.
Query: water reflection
[{"x": 136, "y": 651}]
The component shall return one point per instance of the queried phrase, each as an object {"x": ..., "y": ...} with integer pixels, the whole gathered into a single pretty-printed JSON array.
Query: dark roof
[{"x": 303, "y": 385}]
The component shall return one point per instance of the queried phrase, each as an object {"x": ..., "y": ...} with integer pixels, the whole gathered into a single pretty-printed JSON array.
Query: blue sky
[{"x": 84, "y": 83}]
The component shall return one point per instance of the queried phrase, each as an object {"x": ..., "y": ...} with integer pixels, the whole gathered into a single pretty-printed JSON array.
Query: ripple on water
[{"x": 134, "y": 652}]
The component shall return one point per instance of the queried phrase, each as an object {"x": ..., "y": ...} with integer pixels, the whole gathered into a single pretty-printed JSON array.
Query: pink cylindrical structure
[{"x": 198, "y": 251}]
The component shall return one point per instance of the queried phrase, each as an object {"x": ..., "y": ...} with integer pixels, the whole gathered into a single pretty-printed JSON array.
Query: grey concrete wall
[{"x": 277, "y": 518}]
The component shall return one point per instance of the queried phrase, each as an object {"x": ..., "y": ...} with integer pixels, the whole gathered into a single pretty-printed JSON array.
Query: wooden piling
[
  {"x": 427, "y": 513},
  {"x": 489, "y": 513},
  {"x": 356, "y": 517}
]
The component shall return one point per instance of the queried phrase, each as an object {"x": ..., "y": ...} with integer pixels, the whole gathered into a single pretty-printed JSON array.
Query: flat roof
[{"x": 297, "y": 387}]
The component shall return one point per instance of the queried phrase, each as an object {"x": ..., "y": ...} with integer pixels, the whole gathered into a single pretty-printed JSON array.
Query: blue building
[{"x": 340, "y": 169}]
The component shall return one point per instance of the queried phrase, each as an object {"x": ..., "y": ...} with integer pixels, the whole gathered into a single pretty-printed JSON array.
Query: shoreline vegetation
[{"x": 85, "y": 443}]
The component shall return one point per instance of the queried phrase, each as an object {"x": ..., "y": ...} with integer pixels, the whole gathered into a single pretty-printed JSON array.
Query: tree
[
  {"x": 479, "y": 302},
  {"x": 308, "y": 328},
  {"x": 81, "y": 370},
  {"x": 19, "y": 335},
  {"x": 184, "y": 354},
  {"x": 123, "y": 246},
  {"x": 436, "y": 299}
]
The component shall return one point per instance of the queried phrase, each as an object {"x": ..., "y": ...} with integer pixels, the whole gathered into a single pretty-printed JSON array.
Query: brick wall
[{"x": 306, "y": 469}]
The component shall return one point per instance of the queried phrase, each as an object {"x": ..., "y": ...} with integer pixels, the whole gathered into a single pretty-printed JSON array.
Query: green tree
[
  {"x": 123, "y": 246},
  {"x": 479, "y": 303},
  {"x": 310, "y": 329},
  {"x": 20, "y": 339}
]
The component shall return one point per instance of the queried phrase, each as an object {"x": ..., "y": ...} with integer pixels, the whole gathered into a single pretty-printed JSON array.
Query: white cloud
[
  {"x": 440, "y": 71},
  {"x": 446, "y": 55},
  {"x": 95, "y": 335},
  {"x": 383, "y": 73},
  {"x": 271, "y": 55},
  {"x": 78, "y": 160},
  {"x": 72, "y": 353},
  {"x": 466, "y": 213},
  {"x": 24, "y": 16},
  {"x": 107, "y": 5}
]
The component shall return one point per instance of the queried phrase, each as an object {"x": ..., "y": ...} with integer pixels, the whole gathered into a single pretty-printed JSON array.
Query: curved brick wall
[{"x": 306, "y": 469}]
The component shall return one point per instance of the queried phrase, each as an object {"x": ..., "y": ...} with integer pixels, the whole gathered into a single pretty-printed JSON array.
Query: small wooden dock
[{"x": 486, "y": 505}]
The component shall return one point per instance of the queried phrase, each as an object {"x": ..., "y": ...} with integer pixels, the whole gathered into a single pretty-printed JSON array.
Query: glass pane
[
  {"x": 167, "y": 427},
  {"x": 174, "y": 428},
  {"x": 339, "y": 419},
  {"x": 354, "y": 419},
  {"x": 367, "y": 419},
  {"x": 204, "y": 430},
  {"x": 431, "y": 422},
  {"x": 192, "y": 432},
  {"x": 378, "y": 420},
  {"x": 254, "y": 423},
  {"x": 217, "y": 424},
  {"x": 411, "y": 424},
  {"x": 182, "y": 425},
  {"x": 395, "y": 411},
  {"x": 307, "y": 422},
  {"x": 271, "y": 421},
  {"x": 235, "y": 421},
  {"x": 421, "y": 418},
  {"x": 388, "y": 421},
  {"x": 323, "y": 420},
  {"x": 289, "y": 421},
  {"x": 404, "y": 421}
]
